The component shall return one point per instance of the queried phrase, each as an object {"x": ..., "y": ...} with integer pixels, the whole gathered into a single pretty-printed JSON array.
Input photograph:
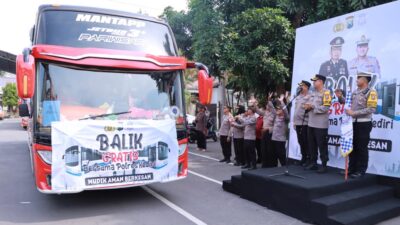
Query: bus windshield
[
  {"x": 72, "y": 156},
  {"x": 94, "y": 30},
  {"x": 65, "y": 94}
]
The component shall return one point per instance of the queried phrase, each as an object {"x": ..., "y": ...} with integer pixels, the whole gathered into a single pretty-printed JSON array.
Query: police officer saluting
[
  {"x": 364, "y": 102},
  {"x": 318, "y": 122}
]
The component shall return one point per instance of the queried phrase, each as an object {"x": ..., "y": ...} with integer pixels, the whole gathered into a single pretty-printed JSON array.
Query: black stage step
[
  {"x": 369, "y": 214},
  {"x": 318, "y": 198}
]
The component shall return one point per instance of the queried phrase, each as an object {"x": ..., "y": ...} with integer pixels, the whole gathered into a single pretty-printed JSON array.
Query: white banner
[
  {"x": 368, "y": 40},
  {"x": 94, "y": 154}
]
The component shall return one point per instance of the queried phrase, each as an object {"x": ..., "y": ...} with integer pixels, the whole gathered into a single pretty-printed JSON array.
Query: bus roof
[{"x": 111, "y": 12}]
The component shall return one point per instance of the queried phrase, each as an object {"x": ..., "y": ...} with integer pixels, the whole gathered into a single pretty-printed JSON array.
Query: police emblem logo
[{"x": 349, "y": 22}]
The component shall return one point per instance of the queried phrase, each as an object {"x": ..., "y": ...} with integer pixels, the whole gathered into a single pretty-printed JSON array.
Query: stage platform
[{"x": 318, "y": 198}]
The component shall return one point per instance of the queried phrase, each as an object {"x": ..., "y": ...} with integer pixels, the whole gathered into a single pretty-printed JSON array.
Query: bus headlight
[
  {"x": 45, "y": 155},
  {"x": 182, "y": 148}
]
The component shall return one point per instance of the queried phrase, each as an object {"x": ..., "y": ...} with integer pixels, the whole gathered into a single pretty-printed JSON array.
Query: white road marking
[
  {"x": 205, "y": 177},
  {"x": 174, "y": 207},
  {"x": 25, "y": 202},
  {"x": 207, "y": 157}
]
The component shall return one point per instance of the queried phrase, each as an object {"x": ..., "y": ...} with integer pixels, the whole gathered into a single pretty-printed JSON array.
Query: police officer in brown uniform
[
  {"x": 238, "y": 139},
  {"x": 364, "y": 102},
  {"x": 318, "y": 122},
  {"x": 279, "y": 132},
  {"x": 249, "y": 122},
  {"x": 300, "y": 121},
  {"x": 268, "y": 158},
  {"x": 225, "y": 135}
]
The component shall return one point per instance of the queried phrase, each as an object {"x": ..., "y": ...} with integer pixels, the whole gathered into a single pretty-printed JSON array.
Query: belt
[{"x": 355, "y": 120}]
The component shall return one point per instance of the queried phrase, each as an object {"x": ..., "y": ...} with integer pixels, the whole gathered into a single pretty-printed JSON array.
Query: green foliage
[
  {"x": 10, "y": 97},
  {"x": 251, "y": 40},
  {"x": 256, "y": 48},
  {"x": 207, "y": 32},
  {"x": 181, "y": 25}
]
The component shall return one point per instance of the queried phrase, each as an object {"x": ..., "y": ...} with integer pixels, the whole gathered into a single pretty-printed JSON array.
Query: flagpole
[{"x": 346, "y": 171}]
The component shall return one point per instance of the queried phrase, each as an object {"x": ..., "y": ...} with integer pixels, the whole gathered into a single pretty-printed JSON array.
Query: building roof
[{"x": 7, "y": 62}]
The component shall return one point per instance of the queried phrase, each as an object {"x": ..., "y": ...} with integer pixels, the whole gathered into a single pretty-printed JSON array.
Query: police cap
[
  {"x": 363, "y": 40},
  {"x": 303, "y": 82},
  {"x": 337, "y": 42},
  {"x": 318, "y": 77},
  {"x": 364, "y": 74}
]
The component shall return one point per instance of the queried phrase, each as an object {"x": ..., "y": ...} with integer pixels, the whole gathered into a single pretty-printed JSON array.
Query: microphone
[{"x": 298, "y": 91}]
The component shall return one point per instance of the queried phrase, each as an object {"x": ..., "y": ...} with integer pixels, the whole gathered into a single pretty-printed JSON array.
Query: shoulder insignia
[
  {"x": 372, "y": 100},
  {"x": 327, "y": 98}
]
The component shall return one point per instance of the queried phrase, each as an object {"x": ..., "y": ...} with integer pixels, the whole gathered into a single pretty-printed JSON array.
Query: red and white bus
[{"x": 90, "y": 59}]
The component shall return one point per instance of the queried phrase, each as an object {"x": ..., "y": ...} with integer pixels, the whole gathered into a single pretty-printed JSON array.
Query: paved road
[{"x": 198, "y": 199}]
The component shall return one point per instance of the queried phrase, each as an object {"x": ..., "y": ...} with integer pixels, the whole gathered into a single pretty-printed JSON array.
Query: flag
[{"x": 346, "y": 128}]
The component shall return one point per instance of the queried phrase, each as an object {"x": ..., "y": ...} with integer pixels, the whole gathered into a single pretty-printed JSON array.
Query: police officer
[
  {"x": 279, "y": 131},
  {"x": 335, "y": 67},
  {"x": 363, "y": 62},
  {"x": 225, "y": 135},
  {"x": 318, "y": 122},
  {"x": 300, "y": 121},
  {"x": 249, "y": 122},
  {"x": 364, "y": 102},
  {"x": 238, "y": 135},
  {"x": 267, "y": 155}
]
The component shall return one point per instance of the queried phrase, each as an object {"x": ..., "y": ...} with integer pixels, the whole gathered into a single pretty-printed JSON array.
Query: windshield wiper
[{"x": 105, "y": 114}]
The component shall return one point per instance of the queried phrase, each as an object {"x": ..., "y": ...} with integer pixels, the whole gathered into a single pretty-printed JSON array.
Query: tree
[
  {"x": 207, "y": 32},
  {"x": 181, "y": 26},
  {"x": 10, "y": 97},
  {"x": 303, "y": 12},
  {"x": 256, "y": 49}
]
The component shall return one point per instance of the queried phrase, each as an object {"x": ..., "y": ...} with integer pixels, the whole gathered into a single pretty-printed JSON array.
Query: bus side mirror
[
  {"x": 205, "y": 87},
  {"x": 23, "y": 110},
  {"x": 25, "y": 74}
]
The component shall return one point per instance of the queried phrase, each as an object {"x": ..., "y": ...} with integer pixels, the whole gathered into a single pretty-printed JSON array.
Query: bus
[{"x": 90, "y": 60}]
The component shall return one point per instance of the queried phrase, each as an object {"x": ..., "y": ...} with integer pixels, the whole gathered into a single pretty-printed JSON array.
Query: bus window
[
  {"x": 152, "y": 153},
  {"x": 144, "y": 152},
  {"x": 162, "y": 151},
  {"x": 90, "y": 154}
]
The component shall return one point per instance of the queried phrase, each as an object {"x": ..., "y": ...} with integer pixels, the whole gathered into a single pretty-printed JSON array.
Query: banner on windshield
[{"x": 94, "y": 154}]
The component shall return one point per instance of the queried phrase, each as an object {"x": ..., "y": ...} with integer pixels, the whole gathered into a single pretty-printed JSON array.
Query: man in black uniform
[
  {"x": 364, "y": 102},
  {"x": 335, "y": 67}
]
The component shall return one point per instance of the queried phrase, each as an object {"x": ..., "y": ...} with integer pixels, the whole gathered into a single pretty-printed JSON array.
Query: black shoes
[
  {"x": 311, "y": 166},
  {"x": 223, "y": 160},
  {"x": 236, "y": 164},
  {"x": 246, "y": 166},
  {"x": 228, "y": 161},
  {"x": 322, "y": 169},
  {"x": 357, "y": 175}
]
